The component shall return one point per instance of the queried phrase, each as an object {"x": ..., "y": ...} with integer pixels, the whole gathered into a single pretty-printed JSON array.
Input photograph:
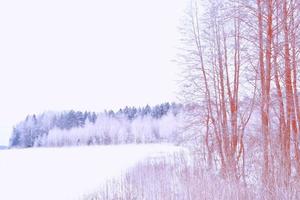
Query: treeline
[{"x": 128, "y": 125}]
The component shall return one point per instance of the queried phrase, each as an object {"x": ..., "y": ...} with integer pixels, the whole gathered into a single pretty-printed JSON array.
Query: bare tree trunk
[
  {"x": 264, "y": 78},
  {"x": 296, "y": 115},
  {"x": 289, "y": 91}
]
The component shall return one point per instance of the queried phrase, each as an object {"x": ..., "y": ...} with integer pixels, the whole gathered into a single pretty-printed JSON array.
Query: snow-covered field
[{"x": 68, "y": 173}]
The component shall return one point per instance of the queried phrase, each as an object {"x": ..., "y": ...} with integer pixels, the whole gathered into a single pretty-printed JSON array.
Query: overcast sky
[{"x": 85, "y": 55}]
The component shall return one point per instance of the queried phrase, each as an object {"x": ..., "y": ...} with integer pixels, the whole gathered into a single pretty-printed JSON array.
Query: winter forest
[
  {"x": 233, "y": 134},
  {"x": 129, "y": 125}
]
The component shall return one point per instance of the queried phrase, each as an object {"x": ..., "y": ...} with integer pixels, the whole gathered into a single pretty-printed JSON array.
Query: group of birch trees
[{"x": 241, "y": 64}]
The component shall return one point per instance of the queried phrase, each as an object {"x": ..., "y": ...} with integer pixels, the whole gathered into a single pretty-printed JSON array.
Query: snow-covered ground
[{"x": 68, "y": 173}]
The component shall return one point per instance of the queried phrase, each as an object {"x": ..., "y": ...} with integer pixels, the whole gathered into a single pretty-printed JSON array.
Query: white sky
[{"x": 85, "y": 55}]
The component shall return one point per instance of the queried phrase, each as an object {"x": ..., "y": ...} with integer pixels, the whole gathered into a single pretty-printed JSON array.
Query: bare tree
[
  {"x": 232, "y": 41},
  {"x": 215, "y": 61}
]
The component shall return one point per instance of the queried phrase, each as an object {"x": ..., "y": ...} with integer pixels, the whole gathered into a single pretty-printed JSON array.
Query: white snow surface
[{"x": 68, "y": 173}]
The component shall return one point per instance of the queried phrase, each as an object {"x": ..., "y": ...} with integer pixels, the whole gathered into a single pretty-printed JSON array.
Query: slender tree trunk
[
  {"x": 264, "y": 97},
  {"x": 289, "y": 91}
]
